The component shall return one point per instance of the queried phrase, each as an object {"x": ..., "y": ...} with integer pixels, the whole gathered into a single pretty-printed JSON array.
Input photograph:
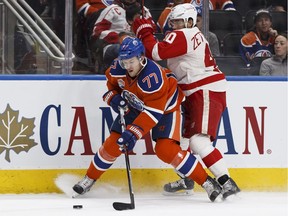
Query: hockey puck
[{"x": 77, "y": 206}]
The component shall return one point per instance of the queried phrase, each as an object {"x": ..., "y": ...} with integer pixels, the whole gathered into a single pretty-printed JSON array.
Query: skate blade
[
  {"x": 75, "y": 195},
  {"x": 232, "y": 197},
  {"x": 65, "y": 183},
  {"x": 179, "y": 193},
  {"x": 219, "y": 199}
]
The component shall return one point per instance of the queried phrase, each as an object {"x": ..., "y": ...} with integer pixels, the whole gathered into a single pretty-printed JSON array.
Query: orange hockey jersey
[
  {"x": 153, "y": 92},
  {"x": 87, "y": 7}
]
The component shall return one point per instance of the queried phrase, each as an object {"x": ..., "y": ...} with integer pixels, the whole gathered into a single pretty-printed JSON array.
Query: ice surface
[
  {"x": 99, "y": 202},
  {"x": 246, "y": 203}
]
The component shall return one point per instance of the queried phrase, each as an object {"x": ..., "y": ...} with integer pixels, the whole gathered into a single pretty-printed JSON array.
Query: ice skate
[
  {"x": 229, "y": 188},
  {"x": 183, "y": 186},
  {"x": 83, "y": 186},
  {"x": 212, "y": 188}
]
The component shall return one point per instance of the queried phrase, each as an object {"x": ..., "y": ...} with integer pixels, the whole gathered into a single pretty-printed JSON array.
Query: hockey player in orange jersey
[
  {"x": 87, "y": 7},
  {"x": 189, "y": 56},
  {"x": 151, "y": 96}
]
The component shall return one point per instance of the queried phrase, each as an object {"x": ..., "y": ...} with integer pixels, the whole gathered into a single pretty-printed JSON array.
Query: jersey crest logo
[
  {"x": 263, "y": 53},
  {"x": 133, "y": 100},
  {"x": 121, "y": 83}
]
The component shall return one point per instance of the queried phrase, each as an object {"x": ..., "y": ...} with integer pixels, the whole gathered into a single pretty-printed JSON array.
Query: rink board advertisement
[{"x": 57, "y": 123}]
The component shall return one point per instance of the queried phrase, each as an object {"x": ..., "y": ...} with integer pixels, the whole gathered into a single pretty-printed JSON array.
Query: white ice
[
  {"x": 247, "y": 203},
  {"x": 99, "y": 202}
]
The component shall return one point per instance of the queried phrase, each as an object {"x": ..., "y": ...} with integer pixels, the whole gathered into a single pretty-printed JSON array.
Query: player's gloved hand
[
  {"x": 142, "y": 27},
  {"x": 127, "y": 140},
  {"x": 118, "y": 102}
]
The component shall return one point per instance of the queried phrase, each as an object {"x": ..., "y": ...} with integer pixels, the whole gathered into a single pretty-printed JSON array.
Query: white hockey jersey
[
  {"x": 111, "y": 22},
  {"x": 189, "y": 57}
]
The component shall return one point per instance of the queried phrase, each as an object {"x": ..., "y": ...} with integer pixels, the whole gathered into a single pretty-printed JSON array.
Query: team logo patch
[
  {"x": 121, "y": 83},
  {"x": 135, "y": 42},
  {"x": 133, "y": 100},
  {"x": 263, "y": 53}
]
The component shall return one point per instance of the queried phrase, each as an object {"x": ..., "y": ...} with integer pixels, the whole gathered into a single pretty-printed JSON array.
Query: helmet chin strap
[
  {"x": 186, "y": 23},
  {"x": 143, "y": 61}
]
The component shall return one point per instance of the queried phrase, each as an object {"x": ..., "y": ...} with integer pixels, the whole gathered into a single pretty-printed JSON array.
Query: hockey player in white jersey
[
  {"x": 204, "y": 85},
  {"x": 111, "y": 21}
]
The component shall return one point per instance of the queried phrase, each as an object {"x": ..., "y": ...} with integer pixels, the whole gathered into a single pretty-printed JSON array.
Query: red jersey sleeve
[
  {"x": 105, "y": 25},
  {"x": 173, "y": 45}
]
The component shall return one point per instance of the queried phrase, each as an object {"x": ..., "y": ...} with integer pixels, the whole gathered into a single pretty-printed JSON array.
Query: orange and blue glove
[
  {"x": 127, "y": 141},
  {"x": 115, "y": 100},
  {"x": 118, "y": 102}
]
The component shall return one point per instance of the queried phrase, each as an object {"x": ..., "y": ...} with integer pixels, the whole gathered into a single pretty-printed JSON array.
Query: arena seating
[
  {"x": 279, "y": 20},
  {"x": 243, "y": 6},
  {"x": 232, "y": 65},
  {"x": 156, "y": 8},
  {"x": 231, "y": 43},
  {"x": 223, "y": 22}
]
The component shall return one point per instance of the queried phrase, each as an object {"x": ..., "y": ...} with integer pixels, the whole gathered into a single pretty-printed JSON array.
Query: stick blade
[{"x": 119, "y": 206}]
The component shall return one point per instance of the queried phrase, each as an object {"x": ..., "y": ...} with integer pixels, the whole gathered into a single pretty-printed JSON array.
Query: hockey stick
[
  {"x": 119, "y": 205},
  {"x": 142, "y": 9}
]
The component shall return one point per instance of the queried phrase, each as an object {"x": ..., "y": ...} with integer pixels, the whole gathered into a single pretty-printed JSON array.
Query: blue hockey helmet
[{"x": 131, "y": 47}]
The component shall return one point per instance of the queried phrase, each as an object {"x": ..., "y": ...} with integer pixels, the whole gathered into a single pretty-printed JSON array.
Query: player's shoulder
[
  {"x": 151, "y": 78},
  {"x": 116, "y": 69},
  {"x": 249, "y": 38},
  {"x": 113, "y": 8},
  {"x": 151, "y": 67},
  {"x": 116, "y": 7},
  {"x": 175, "y": 35}
]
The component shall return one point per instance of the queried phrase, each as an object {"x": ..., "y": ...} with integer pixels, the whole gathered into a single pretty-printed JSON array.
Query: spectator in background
[
  {"x": 259, "y": 41},
  {"x": 87, "y": 13},
  {"x": 213, "y": 4},
  {"x": 212, "y": 38},
  {"x": 277, "y": 64},
  {"x": 277, "y": 5}
]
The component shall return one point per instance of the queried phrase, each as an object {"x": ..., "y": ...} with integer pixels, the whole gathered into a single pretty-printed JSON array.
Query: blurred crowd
[{"x": 242, "y": 29}]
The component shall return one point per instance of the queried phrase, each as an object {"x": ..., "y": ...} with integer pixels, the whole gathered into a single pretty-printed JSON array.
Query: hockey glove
[
  {"x": 118, "y": 102},
  {"x": 142, "y": 27},
  {"x": 127, "y": 141}
]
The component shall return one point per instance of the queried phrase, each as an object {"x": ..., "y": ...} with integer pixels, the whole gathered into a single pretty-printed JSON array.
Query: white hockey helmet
[{"x": 184, "y": 11}]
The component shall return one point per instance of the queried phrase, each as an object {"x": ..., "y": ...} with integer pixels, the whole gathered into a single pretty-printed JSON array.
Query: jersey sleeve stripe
[
  {"x": 155, "y": 53},
  {"x": 154, "y": 114},
  {"x": 172, "y": 101},
  {"x": 202, "y": 82},
  {"x": 100, "y": 163}
]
